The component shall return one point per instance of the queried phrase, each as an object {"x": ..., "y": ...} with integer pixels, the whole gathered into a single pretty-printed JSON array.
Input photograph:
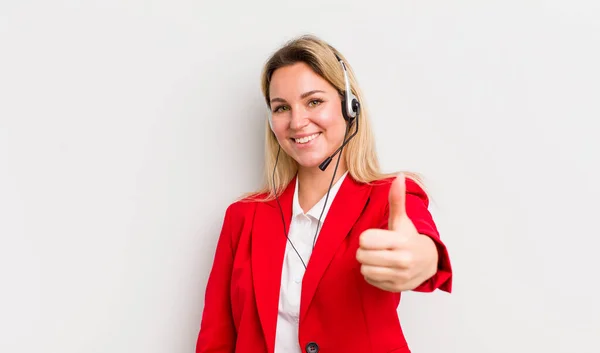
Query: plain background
[{"x": 127, "y": 127}]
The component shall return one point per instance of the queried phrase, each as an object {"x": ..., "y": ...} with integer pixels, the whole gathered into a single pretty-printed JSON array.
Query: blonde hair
[{"x": 359, "y": 154}]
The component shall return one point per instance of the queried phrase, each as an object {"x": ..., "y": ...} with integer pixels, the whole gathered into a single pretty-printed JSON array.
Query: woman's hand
[{"x": 397, "y": 259}]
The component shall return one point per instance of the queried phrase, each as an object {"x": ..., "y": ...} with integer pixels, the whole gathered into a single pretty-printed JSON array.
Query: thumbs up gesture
[{"x": 398, "y": 258}]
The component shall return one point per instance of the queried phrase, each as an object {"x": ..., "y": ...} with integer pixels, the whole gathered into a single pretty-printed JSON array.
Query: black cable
[
  {"x": 285, "y": 233},
  {"x": 331, "y": 183}
]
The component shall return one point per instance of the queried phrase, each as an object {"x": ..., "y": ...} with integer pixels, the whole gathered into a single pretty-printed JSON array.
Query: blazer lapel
[
  {"x": 268, "y": 248},
  {"x": 345, "y": 210}
]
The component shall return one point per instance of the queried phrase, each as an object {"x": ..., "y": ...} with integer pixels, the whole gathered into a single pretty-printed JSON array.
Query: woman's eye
[
  {"x": 280, "y": 108},
  {"x": 314, "y": 102}
]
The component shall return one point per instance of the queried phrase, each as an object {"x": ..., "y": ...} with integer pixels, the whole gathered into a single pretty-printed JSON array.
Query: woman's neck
[{"x": 314, "y": 183}]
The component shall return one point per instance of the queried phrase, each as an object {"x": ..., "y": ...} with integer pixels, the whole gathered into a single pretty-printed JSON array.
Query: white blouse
[{"x": 301, "y": 233}]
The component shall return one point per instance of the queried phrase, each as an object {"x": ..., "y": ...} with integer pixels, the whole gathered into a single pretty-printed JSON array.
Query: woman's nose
[{"x": 299, "y": 119}]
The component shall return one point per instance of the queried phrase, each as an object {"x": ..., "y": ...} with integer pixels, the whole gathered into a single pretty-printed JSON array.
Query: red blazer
[{"x": 339, "y": 310}]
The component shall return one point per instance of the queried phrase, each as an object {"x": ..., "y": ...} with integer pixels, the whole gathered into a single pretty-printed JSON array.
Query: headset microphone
[{"x": 326, "y": 162}]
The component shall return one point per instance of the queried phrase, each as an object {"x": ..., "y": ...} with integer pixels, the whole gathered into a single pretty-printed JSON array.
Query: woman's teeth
[{"x": 307, "y": 138}]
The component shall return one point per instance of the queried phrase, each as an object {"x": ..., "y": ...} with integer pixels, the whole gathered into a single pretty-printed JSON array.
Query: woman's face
[{"x": 306, "y": 114}]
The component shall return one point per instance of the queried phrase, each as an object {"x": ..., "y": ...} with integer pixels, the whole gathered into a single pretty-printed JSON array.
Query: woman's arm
[
  {"x": 417, "y": 203},
  {"x": 217, "y": 331}
]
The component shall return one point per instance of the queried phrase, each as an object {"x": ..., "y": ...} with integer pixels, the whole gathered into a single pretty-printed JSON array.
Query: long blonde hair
[{"x": 359, "y": 154}]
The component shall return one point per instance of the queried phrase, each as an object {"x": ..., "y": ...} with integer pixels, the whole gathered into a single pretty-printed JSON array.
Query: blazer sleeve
[
  {"x": 417, "y": 204},
  {"x": 217, "y": 330}
]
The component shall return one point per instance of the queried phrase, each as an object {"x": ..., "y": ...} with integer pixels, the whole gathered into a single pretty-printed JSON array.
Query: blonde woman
[{"x": 317, "y": 260}]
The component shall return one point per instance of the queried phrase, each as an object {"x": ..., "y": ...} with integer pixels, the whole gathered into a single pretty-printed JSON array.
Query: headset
[
  {"x": 350, "y": 109},
  {"x": 350, "y": 112}
]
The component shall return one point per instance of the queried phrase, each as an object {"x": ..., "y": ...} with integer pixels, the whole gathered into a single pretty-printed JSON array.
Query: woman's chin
[
  {"x": 310, "y": 162},
  {"x": 310, "y": 159}
]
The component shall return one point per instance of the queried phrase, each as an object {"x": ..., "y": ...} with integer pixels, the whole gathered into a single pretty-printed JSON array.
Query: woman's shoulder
[
  {"x": 246, "y": 203},
  {"x": 237, "y": 214}
]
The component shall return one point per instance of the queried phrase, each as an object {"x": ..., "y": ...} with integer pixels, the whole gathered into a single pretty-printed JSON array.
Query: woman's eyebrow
[{"x": 302, "y": 96}]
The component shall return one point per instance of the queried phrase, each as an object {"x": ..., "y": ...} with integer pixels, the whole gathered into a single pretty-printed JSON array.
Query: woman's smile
[{"x": 306, "y": 140}]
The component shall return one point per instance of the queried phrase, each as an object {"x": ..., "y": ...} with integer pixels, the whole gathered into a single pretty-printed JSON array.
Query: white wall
[{"x": 113, "y": 186}]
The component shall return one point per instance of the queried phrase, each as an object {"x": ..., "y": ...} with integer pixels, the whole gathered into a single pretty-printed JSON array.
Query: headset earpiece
[{"x": 350, "y": 104}]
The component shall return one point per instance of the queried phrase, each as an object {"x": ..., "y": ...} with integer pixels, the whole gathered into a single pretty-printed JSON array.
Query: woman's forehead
[{"x": 294, "y": 80}]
